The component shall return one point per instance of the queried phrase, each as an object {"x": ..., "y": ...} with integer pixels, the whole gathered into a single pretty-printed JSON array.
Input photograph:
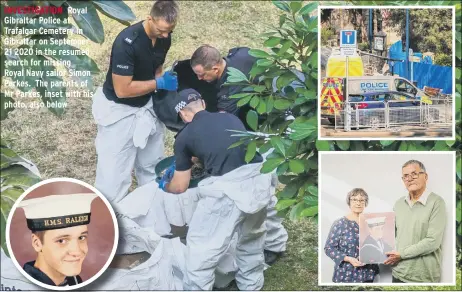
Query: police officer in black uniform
[
  {"x": 194, "y": 140},
  {"x": 208, "y": 65},
  {"x": 129, "y": 133},
  {"x": 136, "y": 62},
  {"x": 236, "y": 189}
]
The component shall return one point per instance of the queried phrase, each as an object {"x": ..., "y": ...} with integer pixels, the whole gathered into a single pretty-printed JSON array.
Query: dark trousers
[{"x": 396, "y": 280}]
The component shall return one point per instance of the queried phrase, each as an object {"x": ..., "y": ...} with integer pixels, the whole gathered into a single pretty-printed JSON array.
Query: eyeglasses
[
  {"x": 358, "y": 201},
  {"x": 412, "y": 175}
]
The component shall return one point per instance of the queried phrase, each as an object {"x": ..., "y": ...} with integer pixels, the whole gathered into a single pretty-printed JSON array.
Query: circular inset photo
[{"x": 62, "y": 234}]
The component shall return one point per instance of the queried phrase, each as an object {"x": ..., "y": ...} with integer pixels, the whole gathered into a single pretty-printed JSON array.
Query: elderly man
[
  {"x": 420, "y": 223},
  {"x": 208, "y": 64},
  {"x": 232, "y": 199},
  {"x": 129, "y": 133}
]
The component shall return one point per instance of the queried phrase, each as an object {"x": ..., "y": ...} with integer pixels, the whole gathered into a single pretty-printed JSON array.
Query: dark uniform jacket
[
  {"x": 208, "y": 138},
  {"x": 372, "y": 252},
  {"x": 240, "y": 59},
  {"x": 42, "y": 277},
  {"x": 132, "y": 54}
]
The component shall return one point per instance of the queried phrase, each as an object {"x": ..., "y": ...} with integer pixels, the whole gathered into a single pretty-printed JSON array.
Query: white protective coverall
[
  {"x": 127, "y": 137},
  {"x": 234, "y": 202},
  {"x": 165, "y": 268},
  {"x": 162, "y": 271},
  {"x": 276, "y": 234},
  {"x": 153, "y": 208}
]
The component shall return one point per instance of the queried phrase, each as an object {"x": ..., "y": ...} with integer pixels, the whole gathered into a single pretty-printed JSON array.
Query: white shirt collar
[
  {"x": 422, "y": 199},
  {"x": 379, "y": 243}
]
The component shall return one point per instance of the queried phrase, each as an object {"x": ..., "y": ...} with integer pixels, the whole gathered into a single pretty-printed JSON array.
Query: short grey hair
[
  {"x": 416, "y": 162},
  {"x": 206, "y": 56},
  {"x": 357, "y": 192},
  {"x": 193, "y": 105},
  {"x": 167, "y": 10}
]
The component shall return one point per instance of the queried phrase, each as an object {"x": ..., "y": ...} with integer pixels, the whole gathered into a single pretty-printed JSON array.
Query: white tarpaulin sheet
[{"x": 153, "y": 208}]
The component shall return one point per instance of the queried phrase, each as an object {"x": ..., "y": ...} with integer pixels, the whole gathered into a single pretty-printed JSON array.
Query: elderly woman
[{"x": 342, "y": 244}]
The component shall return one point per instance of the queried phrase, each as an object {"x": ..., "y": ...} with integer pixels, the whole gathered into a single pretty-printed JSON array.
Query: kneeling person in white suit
[
  {"x": 209, "y": 65},
  {"x": 232, "y": 199}
]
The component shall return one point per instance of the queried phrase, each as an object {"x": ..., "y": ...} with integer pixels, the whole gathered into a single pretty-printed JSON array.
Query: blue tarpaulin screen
[{"x": 425, "y": 73}]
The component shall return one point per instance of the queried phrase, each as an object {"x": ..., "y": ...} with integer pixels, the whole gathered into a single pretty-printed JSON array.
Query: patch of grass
[
  {"x": 298, "y": 269},
  {"x": 64, "y": 146}
]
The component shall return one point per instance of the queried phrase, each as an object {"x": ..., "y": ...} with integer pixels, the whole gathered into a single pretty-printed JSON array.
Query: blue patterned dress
[{"x": 343, "y": 240}]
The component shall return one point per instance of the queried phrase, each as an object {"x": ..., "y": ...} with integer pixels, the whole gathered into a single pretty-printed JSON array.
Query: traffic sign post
[
  {"x": 347, "y": 101},
  {"x": 348, "y": 39},
  {"x": 347, "y": 52},
  {"x": 347, "y": 48},
  {"x": 411, "y": 57}
]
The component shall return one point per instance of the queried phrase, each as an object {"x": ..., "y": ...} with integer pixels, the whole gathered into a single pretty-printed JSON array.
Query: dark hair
[
  {"x": 206, "y": 56},
  {"x": 420, "y": 164},
  {"x": 167, "y": 10},
  {"x": 355, "y": 192},
  {"x": 40, "y": 235}
]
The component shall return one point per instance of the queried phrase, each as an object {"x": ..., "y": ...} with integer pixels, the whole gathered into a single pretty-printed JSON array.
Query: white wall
[{"x": 379, "y": 174}]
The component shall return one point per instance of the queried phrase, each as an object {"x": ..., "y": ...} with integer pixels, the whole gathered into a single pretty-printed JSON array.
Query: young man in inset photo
[
  {"x": 374, "y": 247},
  {"x": 59, "y": 226}
]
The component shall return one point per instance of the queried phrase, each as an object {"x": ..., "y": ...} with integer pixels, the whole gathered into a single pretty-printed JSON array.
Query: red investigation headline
[{"x": 32, "y": 10}]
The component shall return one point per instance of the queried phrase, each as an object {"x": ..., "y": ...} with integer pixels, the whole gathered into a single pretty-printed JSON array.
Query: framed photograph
[
  {"x": 366, "y": 210},
  {"x": 376, "y": 237}
]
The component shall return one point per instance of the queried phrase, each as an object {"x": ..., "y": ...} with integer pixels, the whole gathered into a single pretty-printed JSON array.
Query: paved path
[{"x": 328, "y": 131}]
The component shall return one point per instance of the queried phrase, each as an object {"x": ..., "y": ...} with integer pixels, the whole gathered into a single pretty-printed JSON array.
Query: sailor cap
[
  {"x": 376, "y": 221},
  {"x": 57, "y": 211}
]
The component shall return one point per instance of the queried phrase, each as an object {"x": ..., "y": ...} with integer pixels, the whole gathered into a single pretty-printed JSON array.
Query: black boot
[{"x": 271, "y": 257}]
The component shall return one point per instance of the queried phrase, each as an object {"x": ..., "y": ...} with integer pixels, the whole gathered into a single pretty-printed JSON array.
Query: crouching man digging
[{"x": 233, "y": 199}]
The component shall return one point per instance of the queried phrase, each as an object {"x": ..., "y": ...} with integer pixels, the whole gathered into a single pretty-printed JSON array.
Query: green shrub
[
  {"x": 363, "y": 46},
  {"x": 295, "y": 158},
  {"x": 443, "y": 60},
  {"x": 326, "y": 34}
]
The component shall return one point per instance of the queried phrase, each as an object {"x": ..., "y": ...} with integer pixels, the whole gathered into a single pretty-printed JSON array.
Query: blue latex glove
[
  {"x": 162, "y": 184},
  {"x": 167, "y": 177},
  {"x": 168, "y": 81}
]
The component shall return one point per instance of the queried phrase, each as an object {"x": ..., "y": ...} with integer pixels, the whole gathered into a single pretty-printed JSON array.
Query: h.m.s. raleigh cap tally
[
  {"x": 376, "y": 221},
  {"x": 57, "y": 211},
  {"x": 185, "y": 97}
]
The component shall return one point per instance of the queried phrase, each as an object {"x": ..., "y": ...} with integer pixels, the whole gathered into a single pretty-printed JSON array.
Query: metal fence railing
[
  {"x": 405, "y": 112},
  {"x": 391, "y": 114},
  {"x": 360, "y": 115},
  {"x": 440, "y": 111}
]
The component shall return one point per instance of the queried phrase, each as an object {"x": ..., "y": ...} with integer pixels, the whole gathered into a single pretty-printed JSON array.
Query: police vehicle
[
  {"x": 417, "y": 113},
  {"x": 333, "y": 91}
]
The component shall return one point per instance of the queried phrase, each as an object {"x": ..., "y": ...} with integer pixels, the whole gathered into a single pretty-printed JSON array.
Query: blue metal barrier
[{"x": 425, "y": 73}]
